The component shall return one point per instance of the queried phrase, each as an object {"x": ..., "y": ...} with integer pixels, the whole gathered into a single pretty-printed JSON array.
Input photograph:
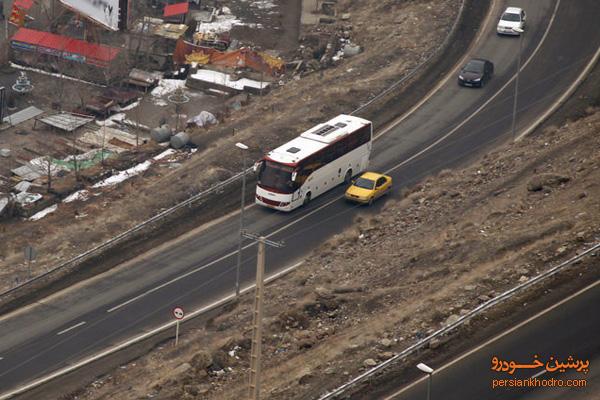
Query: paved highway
[
  {"x": 199, "y": 268},
  {"x": 571, "y": 329}
]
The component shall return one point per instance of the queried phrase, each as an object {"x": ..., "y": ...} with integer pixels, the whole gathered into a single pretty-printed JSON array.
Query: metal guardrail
[
  {"x": 127, "y": 233},
  {"x": 447, "y": 329},
  {"x": 418, "y": 67},
  {"x": 218, "y": 186}
]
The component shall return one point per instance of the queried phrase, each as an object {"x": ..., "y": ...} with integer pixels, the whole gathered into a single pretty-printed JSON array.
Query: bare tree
[
  {"x": 47, "y": 164},
  {"x": 138, "y": 119}
]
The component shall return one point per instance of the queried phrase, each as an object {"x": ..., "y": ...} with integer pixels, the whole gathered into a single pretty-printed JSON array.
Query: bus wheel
[
  {"x": 348, "y": 177},
  {"x": 306, "y": 199}
]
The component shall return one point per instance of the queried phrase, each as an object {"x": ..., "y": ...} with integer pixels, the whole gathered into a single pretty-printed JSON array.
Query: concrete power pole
[{"x": 255, "y": 357}]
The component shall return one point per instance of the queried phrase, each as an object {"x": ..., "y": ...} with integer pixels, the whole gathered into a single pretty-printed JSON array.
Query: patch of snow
[
  {"x": 124, "y": 175},
  {"x": 263, "y": 4},
  {"x": 127, "y": 108},
  {"x": 225, "y": 80},
  {"x": 164, "y": 154},
  {"x": 222, "y": 23},
  {"x": 167, "y": 86},
  {"x": 40, "y": 164},
  {"x": 81, "y": 195},
  {"x": 160, "y": 102},
  {"x": 112, "y": 120},
  {"x": 3, "y": 203},
  {"x": 41, "y": 214},
  {"x": 252, "y": 25}
]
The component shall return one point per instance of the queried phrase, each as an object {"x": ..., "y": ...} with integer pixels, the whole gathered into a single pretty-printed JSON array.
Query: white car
[{"x": 513, "y": 17}]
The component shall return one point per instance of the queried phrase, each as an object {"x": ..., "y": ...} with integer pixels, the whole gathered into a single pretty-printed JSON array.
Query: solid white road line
[
  {"x": 562, "y": 100},
  {"x": 498, "y": 337},
  {"x": 386, "y": 172},
  {"x": 71, "y": 328},
  {"x": 139, "y": 338},
  {"x": 154, "y": 289},
  {"x": 275, "y": 276},
  {"x": 491, "y": 11},
  {"x": 470, "y": 117}
]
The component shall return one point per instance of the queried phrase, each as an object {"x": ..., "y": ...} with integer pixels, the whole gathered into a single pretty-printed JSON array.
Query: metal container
[
  {"x": 180, "y": 140},
  {"x": 161, "y": 134}
]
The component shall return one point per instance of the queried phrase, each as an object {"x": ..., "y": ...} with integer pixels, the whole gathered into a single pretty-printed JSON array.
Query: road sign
[
  {"x": 178, "y": 313},
  {"x": 30, "y": 253}
]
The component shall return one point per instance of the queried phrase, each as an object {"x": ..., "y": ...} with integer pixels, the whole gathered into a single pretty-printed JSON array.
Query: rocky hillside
[{"x": 454, "y": 241}]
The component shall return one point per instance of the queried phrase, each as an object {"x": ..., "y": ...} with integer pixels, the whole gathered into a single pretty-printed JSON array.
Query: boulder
[
  {"x": 541, "y": 181},
  {"x": 369, "y": 362}
]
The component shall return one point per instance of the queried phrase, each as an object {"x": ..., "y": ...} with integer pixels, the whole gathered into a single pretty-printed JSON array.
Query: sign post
[
  {"x": 178, "y": 314},
  {"x": 30, "y": 255}
]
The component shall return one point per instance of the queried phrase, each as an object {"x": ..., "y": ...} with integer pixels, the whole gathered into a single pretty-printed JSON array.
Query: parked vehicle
[
  {"x": 369, "y": 187},
  {"x": 314, "y": 162},
  {"x": 513, "y": 17},
  {"x": 476, "y": 73}
]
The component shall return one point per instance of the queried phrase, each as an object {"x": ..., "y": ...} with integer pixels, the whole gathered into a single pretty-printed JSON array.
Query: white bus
[{"x": 314, "y": 162}]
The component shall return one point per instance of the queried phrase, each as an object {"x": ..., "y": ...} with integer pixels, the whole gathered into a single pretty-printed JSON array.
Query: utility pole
[
  {"x": 242, "y": 147},
  {"x": 255, "y": 356}
]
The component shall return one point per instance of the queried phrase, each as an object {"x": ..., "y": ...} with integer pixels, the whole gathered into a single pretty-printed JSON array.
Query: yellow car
[{"x": 368, "y": 187}]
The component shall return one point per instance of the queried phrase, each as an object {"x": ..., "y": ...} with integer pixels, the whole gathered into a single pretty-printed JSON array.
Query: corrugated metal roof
[
  {"x": 66, "y": 121},
  {"x": 23, "y": 115},
  {"x": 26, "y": 172}
]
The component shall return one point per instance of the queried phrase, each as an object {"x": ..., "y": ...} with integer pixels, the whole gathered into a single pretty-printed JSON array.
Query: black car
[{"x": 476, "y": 73}]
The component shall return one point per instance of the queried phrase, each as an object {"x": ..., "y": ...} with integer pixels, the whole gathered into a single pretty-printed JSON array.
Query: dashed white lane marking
[{"x": 71, "y": 328}]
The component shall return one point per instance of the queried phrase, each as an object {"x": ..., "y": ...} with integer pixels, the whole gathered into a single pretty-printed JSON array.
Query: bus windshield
[{"x": 276, "y": 176}]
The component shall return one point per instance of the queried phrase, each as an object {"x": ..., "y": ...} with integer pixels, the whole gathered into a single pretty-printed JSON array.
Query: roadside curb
[
  {"x": 217, "y": 304},
  {"x": 188, "y": 203},
  {"x": 89, "y": 263}
]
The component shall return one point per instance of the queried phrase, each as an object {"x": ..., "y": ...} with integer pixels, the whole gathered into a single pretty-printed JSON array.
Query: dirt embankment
[
  {"x": 404, "y": 34},
  {"x": 454, "y": 241}
]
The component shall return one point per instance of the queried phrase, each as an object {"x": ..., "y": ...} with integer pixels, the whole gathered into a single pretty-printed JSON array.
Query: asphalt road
[
  {"x": 571, "y": 329},
  {"x": 140, "y": 294}
]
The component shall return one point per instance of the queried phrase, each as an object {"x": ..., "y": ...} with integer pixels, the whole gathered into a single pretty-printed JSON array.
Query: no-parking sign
[{"x": 178, "y": 313}]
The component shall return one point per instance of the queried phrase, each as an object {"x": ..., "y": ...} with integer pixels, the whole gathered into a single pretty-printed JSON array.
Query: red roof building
[
  {"x": 172, "y": 10},
  {"x": 25, "y": 4},
  {"x": 63, "y": 46}
]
